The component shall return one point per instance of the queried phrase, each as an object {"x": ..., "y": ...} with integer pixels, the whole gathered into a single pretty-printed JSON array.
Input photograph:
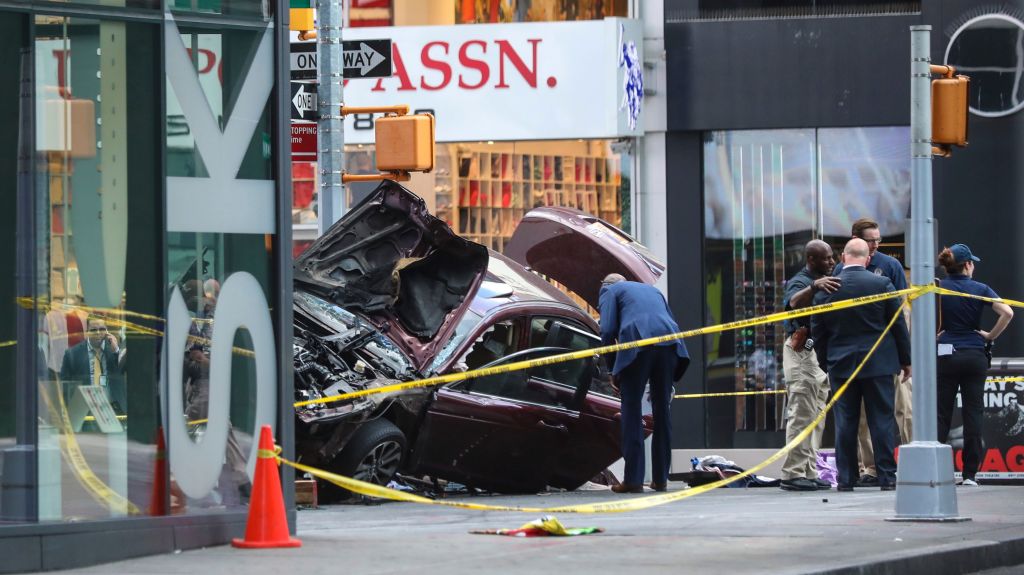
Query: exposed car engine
[{"x": 353, "y": 358}]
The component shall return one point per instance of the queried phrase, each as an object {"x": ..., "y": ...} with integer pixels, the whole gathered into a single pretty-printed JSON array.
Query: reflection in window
[
  {"x": 865, "y": 173},
  {"x": 98, "y": 416},
  {"x": 766, "y": 194},
  {"x": 760, "y": 206},
  {"x": 199, "y": 263}
]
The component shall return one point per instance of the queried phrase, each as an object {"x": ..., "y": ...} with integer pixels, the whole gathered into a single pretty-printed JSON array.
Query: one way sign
[
  {"x": 366, "y": 58},
  {"x": 304, "y": 101}
]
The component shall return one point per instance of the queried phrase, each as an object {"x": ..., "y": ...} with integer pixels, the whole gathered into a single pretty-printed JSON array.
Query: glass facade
[
  {"x": 200, "y": 261},
  {"x": 139, "y": 202},
  {"x": 766, "y": 194},
  {"x": 98, "y": 180}
]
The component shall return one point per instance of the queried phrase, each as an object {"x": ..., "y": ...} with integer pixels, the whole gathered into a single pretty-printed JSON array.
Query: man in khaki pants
[
  {"x": 888, "y": 266},
  {"x": 806, "y": 384}
]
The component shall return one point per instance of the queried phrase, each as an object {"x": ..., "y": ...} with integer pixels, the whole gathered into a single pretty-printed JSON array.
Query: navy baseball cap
[{"x": 962, "y": 253}]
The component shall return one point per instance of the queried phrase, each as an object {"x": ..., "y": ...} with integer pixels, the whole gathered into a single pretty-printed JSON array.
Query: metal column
[
  {"x": 924, "y": 486},
  {"x": 20, "y": 478},
  {"x": 330, "y": 155}
]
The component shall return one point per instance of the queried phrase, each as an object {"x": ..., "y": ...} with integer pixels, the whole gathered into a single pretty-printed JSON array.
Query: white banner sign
[{"x": 535, "y": 81}]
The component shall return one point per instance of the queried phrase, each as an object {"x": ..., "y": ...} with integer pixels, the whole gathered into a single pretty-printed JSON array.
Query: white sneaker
[{"x": 969, "y": 483}]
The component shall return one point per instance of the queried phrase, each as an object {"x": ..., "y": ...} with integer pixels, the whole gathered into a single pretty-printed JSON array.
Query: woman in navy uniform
[{"x": 963, "y": 361}]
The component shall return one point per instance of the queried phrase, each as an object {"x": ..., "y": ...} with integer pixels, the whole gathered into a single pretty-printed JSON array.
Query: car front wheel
[{"x": 374, "y": 455}]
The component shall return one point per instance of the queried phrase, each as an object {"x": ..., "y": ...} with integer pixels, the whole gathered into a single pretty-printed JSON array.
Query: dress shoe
[
  {"x": 798, "y": 484},
  {"x": 842, "y": 487},
  {"x": 659, "y": 486},
  {"x": 627, "y": 488},
  {"x": 822, "y": 484},
  {"x": 867, "y": 481},
  {"x": 888, "y": 487}
]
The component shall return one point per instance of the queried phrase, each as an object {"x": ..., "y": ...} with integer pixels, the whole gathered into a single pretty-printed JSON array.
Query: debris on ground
[{"x": 545, "y": 526}]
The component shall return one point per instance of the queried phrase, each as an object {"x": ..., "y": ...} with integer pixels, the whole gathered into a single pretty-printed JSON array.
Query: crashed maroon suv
[{"x": 391, "y": 294}]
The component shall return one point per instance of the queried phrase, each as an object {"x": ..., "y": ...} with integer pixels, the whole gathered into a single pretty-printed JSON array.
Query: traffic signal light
[
  {"x": 405, "y": 143},
  {"x": 949, "y": 109}
]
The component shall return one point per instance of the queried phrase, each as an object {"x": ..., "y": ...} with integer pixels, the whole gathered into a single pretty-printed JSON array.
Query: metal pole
[
  {"x": 331, "y": 146},
  {"x": 924, "y": 486},
  {"x": 282, "y": 289}
]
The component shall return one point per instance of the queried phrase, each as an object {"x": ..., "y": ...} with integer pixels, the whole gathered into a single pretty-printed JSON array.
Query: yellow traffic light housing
[
  {"x": 949, "y": 110},
  {"x": 405, "y": 143},
  {"x": 300, "y": 20}
]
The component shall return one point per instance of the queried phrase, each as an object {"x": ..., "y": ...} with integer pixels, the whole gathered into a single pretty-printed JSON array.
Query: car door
[
  {"x": 499, "y": 432},
  {"x": 594, "y": 443}
]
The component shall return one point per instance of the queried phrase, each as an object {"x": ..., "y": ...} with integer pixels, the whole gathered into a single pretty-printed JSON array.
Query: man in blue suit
[
  {"x": 842, "y": 340},
  {"x": 632, "y": 311},
  {"x": 95, "y": 361}
]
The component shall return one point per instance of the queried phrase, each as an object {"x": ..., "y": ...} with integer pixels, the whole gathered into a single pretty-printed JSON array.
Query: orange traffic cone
[
  {"x": 266, "y": 526},
  {"x": 158, "y": 496}
]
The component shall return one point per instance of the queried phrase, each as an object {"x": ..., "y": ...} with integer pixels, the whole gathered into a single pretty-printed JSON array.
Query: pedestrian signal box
[
  {"x": 949, "y": 109},
  {"x": 300, "y": 19},
  {"x": 405, "y": 143}
]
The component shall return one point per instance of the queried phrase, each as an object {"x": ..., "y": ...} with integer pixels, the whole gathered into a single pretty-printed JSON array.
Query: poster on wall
[{"x": 1002, "y": 432}]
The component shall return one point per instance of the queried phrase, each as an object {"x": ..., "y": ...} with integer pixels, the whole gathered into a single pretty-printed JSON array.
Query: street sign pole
[
  {"x": 330, "y": 155},
  {"x": 924, "y": 488}
]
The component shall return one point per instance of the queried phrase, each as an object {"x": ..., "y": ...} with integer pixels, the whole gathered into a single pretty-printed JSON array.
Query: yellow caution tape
[
  {"x": 93, "y": 418},
  {"x": 620, "y": 506},
  {"x": 72, "y": 453},
  {"x": 1003, "y": 379},
  {"x": 729, "y": 394},
  {"x": 586, "y": 353},
  {"x": 45, "y": 304},
  {"x": 1009, "y": 302}
]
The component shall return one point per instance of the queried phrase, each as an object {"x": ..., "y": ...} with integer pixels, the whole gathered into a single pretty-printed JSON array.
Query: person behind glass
[
  {"x": 197, "y": 352},
  {"x": 891, "y": 268},
  {"x": 95, "y": 361},
  {"x": 842, "y": 339},
  {"x": 632, "y": 311},
  {"x": 806, "y": 383},
  {"x": 962, "y": 359}
]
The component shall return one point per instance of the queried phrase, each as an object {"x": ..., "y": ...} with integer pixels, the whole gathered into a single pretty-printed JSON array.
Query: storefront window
[
  {"x": 483, "y": 189},
  {"x": 204, "y": 254},
  {"x": 245, "y": 9},
  {"x": 97, "y": 153},
  {"x": 767, "y": 193},
  {"x": 447, "y": 12}
]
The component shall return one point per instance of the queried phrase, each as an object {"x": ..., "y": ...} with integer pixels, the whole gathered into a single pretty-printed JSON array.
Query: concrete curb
[{"x": 959, "y": 557}]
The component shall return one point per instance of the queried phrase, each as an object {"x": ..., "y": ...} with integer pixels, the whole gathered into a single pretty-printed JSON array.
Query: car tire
[{"x": 374, "y": 454}]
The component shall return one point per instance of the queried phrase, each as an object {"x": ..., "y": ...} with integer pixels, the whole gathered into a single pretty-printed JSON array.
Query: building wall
[{"x": 813, "y": 72}]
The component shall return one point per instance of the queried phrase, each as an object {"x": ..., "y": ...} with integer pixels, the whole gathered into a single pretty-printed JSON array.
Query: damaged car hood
[{"x": 398, "y": 266}]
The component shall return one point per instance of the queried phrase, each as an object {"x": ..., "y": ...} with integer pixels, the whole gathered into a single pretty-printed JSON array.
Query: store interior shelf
[{"x": 493, "y": 190}]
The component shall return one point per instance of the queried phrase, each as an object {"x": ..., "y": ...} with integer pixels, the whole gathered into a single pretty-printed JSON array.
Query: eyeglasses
[{"x": 875, "y": 241}]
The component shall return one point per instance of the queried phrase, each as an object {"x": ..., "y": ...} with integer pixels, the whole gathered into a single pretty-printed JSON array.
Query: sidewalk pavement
[{"x": 736, "y": 531}]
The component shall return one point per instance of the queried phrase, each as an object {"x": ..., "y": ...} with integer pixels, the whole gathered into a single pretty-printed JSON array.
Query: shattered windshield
[{"x": 466, "y": 325}]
